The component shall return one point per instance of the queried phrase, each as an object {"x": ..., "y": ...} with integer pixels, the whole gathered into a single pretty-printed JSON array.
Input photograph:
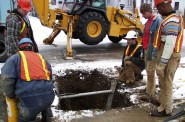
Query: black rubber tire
[
  {"x": 115, "y": 39},
  {"x": 3, "y": 51},
  {"x": 82, "y": 30}
]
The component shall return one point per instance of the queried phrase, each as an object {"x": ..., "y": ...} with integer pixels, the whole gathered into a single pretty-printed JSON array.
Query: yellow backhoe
[{"x": 87, "y": 20}]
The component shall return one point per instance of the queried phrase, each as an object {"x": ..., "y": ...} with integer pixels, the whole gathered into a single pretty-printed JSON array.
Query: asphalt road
[{"x": 106, "y": 50}]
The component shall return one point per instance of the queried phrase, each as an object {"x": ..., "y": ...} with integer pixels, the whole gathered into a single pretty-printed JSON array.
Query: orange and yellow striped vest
[
  {"x": 179, "y": 40},
  {"x": 33, "y": 66},
  {"x": 127, "y": 53}
]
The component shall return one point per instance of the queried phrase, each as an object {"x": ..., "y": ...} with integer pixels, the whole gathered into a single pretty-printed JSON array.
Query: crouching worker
[
  {"x": 27, "y": 76},
  {"x": 132, "y": 62}
]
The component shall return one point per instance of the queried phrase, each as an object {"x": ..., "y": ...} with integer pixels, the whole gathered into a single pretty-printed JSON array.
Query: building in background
[{"x": 178, "y": 5}]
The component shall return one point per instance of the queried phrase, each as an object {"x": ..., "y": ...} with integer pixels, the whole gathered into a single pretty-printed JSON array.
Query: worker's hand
[
  {"x": 160, "y": 69},
  {"x": 119, "y": 68},
  {"x": 127, "y": 58},
  {"x": 127, "y": 63}
]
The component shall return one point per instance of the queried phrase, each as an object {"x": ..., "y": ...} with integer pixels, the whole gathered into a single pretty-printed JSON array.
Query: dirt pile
[{"x": 87, "y": 81}]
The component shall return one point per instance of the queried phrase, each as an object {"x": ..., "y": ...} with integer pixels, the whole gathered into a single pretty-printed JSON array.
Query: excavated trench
[{"x": 74, "y": 82}]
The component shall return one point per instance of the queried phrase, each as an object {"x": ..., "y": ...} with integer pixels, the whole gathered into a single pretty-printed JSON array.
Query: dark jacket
[
  {"x": 136, "y": 58},
  {"x": 14, "y": 25},
  {"x": 14, "y": 86}
]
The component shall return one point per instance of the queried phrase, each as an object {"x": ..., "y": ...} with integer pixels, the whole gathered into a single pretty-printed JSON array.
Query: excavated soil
[{"x": 74, "y": 82}]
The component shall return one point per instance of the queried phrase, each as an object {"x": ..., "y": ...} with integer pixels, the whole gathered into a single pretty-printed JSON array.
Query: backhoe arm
[{"x": 42, "y": 8}]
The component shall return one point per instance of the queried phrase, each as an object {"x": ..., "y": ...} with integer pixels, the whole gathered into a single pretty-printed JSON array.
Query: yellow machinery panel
[
  {"x": 110, "y": 13},
  {"x": 114, "y": 29}
]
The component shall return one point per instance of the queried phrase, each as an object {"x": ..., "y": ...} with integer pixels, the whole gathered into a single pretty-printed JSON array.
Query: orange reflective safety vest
[
  {"x": 179, "y": 40},
  {"x": 33, "y": 66},
  {"x": 24, "y": 31},
  {"x": 127, "y": 53}
]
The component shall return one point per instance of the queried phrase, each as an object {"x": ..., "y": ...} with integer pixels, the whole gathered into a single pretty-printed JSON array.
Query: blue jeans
[{"x": 30, "y": 107}]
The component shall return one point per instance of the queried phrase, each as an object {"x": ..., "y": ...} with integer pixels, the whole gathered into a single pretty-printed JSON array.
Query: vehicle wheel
[
  {"x": 91, "y": 28},
  {"x": 3, "y": 51},
  {"x": 115, "y": 39}
]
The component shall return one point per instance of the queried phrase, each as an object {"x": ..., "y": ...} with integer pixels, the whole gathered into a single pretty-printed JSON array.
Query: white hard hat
[{"x": 131, "y": 34}]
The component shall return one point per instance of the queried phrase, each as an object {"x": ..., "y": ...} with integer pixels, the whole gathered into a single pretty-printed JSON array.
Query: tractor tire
[
  {"x": 3, "y": 51},
  {"x": 115, "y": 39},
  {"x": 91, "y": 28}
]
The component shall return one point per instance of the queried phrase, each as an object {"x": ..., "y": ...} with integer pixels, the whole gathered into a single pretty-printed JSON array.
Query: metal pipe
[
  {"x": 110, "y": 97},
  {"x": 86, "y": 94}
]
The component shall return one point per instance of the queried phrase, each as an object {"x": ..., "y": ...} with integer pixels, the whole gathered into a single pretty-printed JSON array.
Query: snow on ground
[
  {"x": 105, "y": 66},
  {"x": 59, "y": 69}
]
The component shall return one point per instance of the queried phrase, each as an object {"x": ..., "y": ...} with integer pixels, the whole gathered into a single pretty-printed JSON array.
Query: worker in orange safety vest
[
  {"x": 168, "y": 42},
  {"x": 132, "y": 62},
  {"x": 17, "y": 27},
  {"x": 27, "y": 76}
]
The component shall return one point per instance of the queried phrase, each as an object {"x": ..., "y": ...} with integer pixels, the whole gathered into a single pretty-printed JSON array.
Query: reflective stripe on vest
[
  {"x": 23, "y": 32},
  {"x": 133, "y": 52},
  {"x": 23, "y": 22},
  {"x": 23, "y": 27},
  {"x": 179, "y": 39},
  {"x": 33, "y": 66}
]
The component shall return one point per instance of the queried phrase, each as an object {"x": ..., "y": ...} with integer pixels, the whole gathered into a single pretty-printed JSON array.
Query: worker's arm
[
  {"x": 13, "y": 26},
  {"x": 138, "y": 59},
  {"x": 154, "y": 28},
  {"x": 9, "y": 73},
  {"x": 169, "y": 36}
]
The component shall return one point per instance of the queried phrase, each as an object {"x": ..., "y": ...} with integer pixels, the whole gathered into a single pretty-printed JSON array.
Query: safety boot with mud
[
  {"x": 159, "y": 114},
  {"x": 145, "y": 97}
]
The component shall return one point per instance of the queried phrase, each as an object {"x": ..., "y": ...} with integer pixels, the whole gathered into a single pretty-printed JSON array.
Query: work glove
[
  {"x": 127, "y": 63},
  {"x": 160, "y": 69},
  {"x": 119, "y": 69},
  {"x": 127, "y": 58}
]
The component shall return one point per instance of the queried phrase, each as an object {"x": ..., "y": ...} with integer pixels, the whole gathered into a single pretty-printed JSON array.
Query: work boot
[
  {"x": 159, "y": 114},
  {"x": 145, "y": 97},
  {"x": 154, "y": 101}
]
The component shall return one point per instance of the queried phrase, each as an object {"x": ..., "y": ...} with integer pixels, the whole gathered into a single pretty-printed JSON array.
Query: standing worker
[
  {"x": 168, "y": 41},
  {"x": 27, "y": 76},
  {"x": 18, "y": 27},
  {"x": 132, "y": 63},
  {"x": 151, "y": 26}
]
